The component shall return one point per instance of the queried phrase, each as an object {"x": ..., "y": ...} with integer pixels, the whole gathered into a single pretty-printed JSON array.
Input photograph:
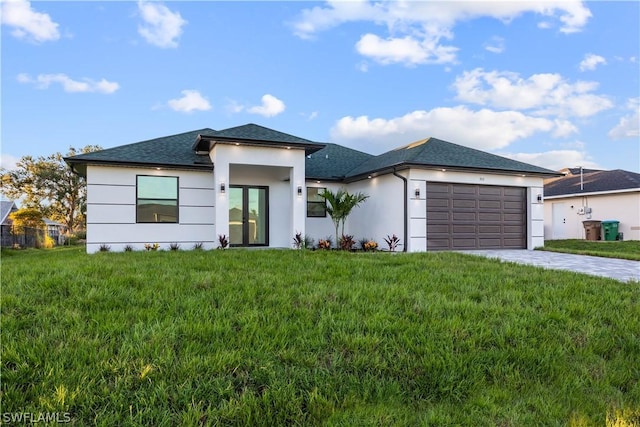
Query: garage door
[{"x": 462, "y": 216}]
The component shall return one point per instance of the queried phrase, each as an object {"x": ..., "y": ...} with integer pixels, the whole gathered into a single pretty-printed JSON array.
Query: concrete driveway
[{"x": 619, "y": 269}]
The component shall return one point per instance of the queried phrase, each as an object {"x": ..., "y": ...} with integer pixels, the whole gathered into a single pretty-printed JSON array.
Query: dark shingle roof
[
  {"x": 438, "y": 153},
  {"x": 333, "y": 162},
  {"x": 255, "y": 132},
  {"x": 593, "y": 182},
  {"x": 170, "y": 151}
]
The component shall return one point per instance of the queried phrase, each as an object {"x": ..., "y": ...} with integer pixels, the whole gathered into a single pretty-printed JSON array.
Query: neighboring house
[
  {"x": 259, "y": 187},
  {"x": 7, "y": 207},
  {"x": 589, "y": 194}
]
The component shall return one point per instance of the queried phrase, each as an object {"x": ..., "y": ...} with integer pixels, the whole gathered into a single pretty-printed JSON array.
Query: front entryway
[{"x": 248, "y": 215}]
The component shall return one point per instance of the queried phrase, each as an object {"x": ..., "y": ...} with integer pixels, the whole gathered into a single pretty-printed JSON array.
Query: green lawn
[
  {"x": 628, "y": 249},
  {"x": 279, "y": 337}
]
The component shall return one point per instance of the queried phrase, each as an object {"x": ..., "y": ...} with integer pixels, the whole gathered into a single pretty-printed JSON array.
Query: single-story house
[
  {"x": 259, "y": 187},
  {"x": 591, "y": 194}
]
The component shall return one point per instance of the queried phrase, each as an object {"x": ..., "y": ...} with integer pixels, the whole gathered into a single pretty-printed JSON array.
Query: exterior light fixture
[
  {"x": 223, "y": 188},
  {"x": 417, "y": 192},
  {"x": 539, "y": 198},
  {"x": 299, "y": 190},
  {"x": 369, "y": 176}
]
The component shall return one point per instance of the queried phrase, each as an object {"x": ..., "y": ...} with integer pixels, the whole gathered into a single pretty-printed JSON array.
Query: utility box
[
  {"x": 610, "y": 230},
  {"x": 592, "y": 229}
]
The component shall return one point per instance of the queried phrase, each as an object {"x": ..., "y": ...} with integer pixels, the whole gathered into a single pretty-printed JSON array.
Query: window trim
[
  {"x": 177, "y": 199},
  {"x": 323, "y": 203}
]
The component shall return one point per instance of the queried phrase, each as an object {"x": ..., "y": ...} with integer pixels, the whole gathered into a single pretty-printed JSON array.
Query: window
[
  {"x": 316, "y": 204},
  {"x": 157, "y": 199}
]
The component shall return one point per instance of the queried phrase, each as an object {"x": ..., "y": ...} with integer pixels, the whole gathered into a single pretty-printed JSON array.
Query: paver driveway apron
[{"x": 619, "y": 269}]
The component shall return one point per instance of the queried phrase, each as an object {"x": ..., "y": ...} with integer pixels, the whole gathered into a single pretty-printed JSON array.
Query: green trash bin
[{"x": 610, "y": 230}]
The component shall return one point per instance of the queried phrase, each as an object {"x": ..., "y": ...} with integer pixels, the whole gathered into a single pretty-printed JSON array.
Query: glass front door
[{"x": 248, "y": 216}]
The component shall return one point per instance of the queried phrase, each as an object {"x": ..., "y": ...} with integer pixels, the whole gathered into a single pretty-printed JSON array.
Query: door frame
[{"x": 245, "y": 215}]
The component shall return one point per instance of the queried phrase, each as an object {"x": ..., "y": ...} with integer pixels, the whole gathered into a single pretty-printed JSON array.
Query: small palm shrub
[
  {"x": 174, "y": 246},
  {"x": 128, "y": 248},
  {"x": 104, "y": 248},
  {"x": 198, "y": 246}
]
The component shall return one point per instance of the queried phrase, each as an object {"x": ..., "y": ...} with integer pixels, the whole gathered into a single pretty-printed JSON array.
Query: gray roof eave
[
  {"x": 80, "y": 166},
  {"x": 409, "y": 165}
]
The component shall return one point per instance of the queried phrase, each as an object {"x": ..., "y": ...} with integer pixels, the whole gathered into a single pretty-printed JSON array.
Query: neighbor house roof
[
  {"x": 168, "y": 151},
  {"x": 436, "y": 153},
  {"x": 6, "y": 207},
  {"x": 593, "y": 181}
]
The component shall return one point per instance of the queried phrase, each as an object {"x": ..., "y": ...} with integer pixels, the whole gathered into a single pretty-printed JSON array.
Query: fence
[{"x": 27, "y": 238}]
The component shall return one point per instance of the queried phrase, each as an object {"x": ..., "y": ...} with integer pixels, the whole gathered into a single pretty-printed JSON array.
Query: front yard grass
[
  {"x": 279, "y": 337},
  {"x": 628, "y": 249}
]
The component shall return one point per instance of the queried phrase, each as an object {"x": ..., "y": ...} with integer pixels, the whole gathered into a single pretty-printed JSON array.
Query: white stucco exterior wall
[
  {"x": 621, "y": 206},
  {"x": 280, "y": 169},
  {"x": 111, "y": 210}
]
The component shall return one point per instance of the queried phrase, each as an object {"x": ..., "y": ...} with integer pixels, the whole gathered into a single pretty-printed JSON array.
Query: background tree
[
  {"x": 26, "y": 218},
  {"x": 49, "y": 185},
  {"x": 340, "y": 205}
]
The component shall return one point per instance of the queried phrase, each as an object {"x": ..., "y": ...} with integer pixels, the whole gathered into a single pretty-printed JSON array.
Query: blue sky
[{"x": 552, "y": 83}]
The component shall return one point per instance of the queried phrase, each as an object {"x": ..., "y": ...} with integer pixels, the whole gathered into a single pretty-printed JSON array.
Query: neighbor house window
[
  {"x": 157, "y": 199},
  {"x": 316, "y": 204}
]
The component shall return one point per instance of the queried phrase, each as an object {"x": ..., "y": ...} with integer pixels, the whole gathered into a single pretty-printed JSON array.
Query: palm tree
[{"x": 340, "y": 205}]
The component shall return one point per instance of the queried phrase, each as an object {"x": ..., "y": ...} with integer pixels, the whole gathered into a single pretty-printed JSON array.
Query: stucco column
[
  {"x": 221, "y": 184},
  {"x": 299, "y": 200}
]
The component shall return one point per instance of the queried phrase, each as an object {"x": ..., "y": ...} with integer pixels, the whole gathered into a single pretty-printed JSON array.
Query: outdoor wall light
[
  {"x": 539, "y": 198},
  {"x": 299, "y": 190},
  {"x": 223, "y": 188},
  {"x": 417, "y": 192}
]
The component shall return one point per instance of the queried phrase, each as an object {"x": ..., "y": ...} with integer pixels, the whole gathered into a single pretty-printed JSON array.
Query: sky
[{"x": 551, "y": 83}]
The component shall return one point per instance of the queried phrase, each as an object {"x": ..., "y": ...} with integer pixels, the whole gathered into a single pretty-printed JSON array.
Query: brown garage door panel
[{"x": 465, "y": 216}]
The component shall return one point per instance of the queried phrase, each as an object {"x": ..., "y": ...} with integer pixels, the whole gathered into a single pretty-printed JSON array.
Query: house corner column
[
  {"x": 536, "y": 217},
  {"x": 299, "y": 200},
  {"x": 221, "y": 184}
]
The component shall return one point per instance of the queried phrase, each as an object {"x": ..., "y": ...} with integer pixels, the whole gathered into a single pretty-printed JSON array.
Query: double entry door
[{"x": 248, "y": 215}]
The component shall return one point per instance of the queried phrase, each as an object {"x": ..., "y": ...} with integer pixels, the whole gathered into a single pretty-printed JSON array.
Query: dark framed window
[
  {"x": 316, "y": 204},
  {"x": 156, "y": 199}
]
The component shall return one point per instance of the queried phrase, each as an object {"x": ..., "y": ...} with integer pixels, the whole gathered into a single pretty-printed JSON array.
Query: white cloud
[
  {"x": 415, "y": 29},
  {"x": 43, "y": 81},
  {"x": 629, "y": 125},
  {"x": 484, "y": 129},
  {"x": 271, "y": 106},
  {"x": 27, "y": 23},
  {"x": 591, "y": 61},
  {"x": 406, "y": 50},
  {"x": 496, "y": 45},
  {"x": 544, "y": 94},
  {"x": 191, "y": 101},
  {"x": 555, "y": 159},
  {"x": 161, "y": 27},
  {"x": 7, "y": 161}
]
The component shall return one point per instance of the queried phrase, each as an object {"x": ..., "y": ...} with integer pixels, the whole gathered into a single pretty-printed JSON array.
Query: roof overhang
[
  {"x": 205, "y": 143},
  {"x": 80, "y": 166},
  {"x": 444, "y": 168}
]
